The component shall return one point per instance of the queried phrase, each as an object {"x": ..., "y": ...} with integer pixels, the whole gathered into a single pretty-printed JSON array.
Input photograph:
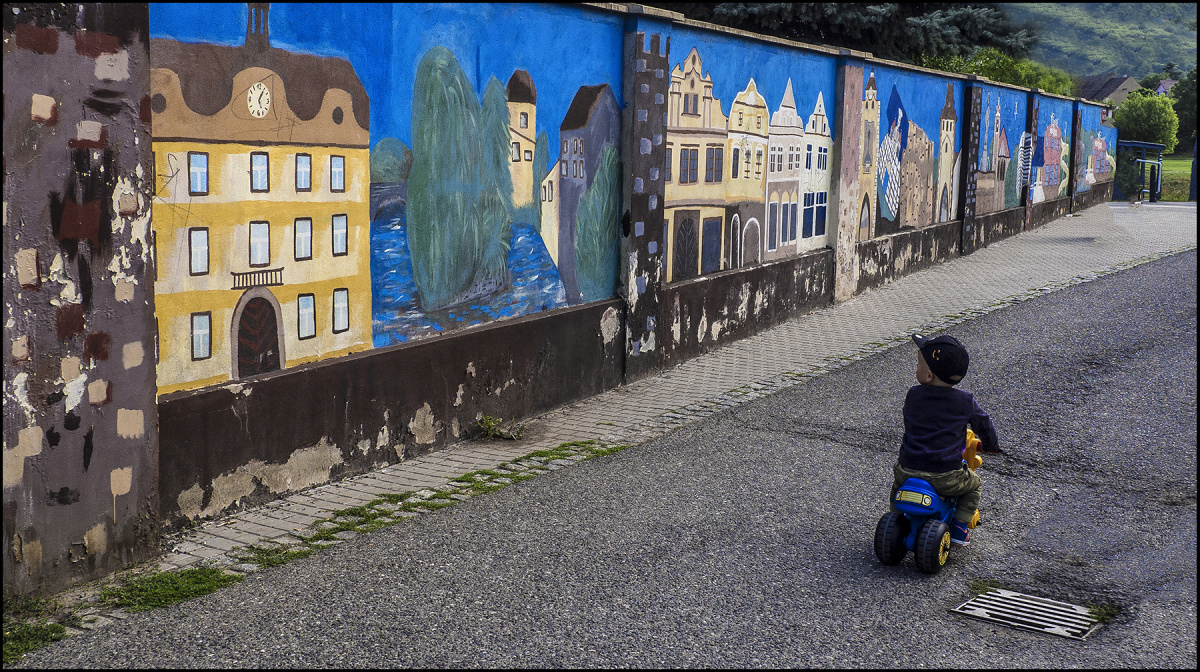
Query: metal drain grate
[{"x": 1029, "y": 612}]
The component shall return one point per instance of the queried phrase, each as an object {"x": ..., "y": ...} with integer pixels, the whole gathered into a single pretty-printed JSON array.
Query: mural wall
[
  {"x": 1051, "y": 150},
  {"x": 1005, "y": 150},
  {"x": 746, "y": 166},
  {"x": 912, "y": 148},
  {"x": 393, "y": 198},
  {"x": 1095, "y": 148},
  {"x": 80, "y": 420}
]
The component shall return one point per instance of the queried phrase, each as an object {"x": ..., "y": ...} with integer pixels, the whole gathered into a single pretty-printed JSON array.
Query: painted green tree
[
  {"x": 541, "y": 156},
  {"x": 495, "y": 208},
  {"x": 596, "y": 224},
  {"x": 457, "y": 226}
]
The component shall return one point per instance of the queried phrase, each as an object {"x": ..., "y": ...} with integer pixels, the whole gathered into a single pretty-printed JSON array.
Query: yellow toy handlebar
[{"x": 971, "y": 455}]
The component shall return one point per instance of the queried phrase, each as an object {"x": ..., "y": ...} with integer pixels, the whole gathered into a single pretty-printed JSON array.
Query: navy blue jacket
[{"x": 935, "y": 428}]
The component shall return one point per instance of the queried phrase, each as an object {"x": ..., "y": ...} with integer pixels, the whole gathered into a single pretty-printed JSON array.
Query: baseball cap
[{"x": 946, "y": 357}]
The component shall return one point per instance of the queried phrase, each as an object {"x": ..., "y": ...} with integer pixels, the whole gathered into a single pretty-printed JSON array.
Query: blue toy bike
[{"x": 921, "y": 523}]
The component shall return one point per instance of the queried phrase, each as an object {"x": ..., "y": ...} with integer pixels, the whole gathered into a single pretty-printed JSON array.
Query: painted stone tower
[
  {"x": 869, "y": 142},
  {"x": 945, "y": 161}
]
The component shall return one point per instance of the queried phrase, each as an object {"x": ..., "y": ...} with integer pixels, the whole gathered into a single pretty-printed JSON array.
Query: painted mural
[
  {"x": 918, "y": 152},
  {"x": 1051, "y": 151},
  {"x": 1097, "y": 142},
  {"x": 334, "y": 201},
  {"x": 747, "y": 186},
  {"x": 1005, "y": 150}
]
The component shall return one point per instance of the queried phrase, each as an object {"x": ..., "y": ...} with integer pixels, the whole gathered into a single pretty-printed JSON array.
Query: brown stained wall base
[
  {"x": 882, "y": 260},
  {"x": 232, "y": 446},
  {"x": 1099, "y": 193},
  {"x": 996, "y": 226},
  {"x": 1048, "y": 211}
]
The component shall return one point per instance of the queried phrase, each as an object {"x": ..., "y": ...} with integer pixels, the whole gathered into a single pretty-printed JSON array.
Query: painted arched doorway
[
  {"x": 256, "y": 333},
  {"x": 945, "y": 211},
  {"x": 751, "y": 247},
  {"x": 864, "y": 219}
]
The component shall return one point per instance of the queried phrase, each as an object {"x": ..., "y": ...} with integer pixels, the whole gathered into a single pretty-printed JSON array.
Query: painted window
[
  {"x": 564, "y": 163},
  {"x": 550, "y": 192},
  {"x": 822, "y": 158},
  {"x": 341, "y": 310},
  {"x": 773, "y": 227},
  {"x": 821, "y": 204},
  {"x": 794, "y": 218},
  {"x": 783, "y": 229},
  {"x": 306, "y": 316},
  {"x": 808, "y": 158},
  {"x": 197, "y": 173},
  {"x": 303, "y": 238},
  {"x": 260, "y": 172},
  {"x": 667, "y": 175},
  {"x": 529, "y": 155},
  {"x": 337, "y": 173},
  {"x": 735, "y": 161},
  {"x": 740, "y": 118},
  {"x": 746, "y": 161},
  {"x": 714, "y": 161},
  {"x": 758, "y": 163},
  {"x": 303, "y": 172},
  {"x": 564, "y": 149},
  {"x": 869, "y": 146},
  {"x": 758, "y": 121},
  {"x": 516, "y": 152},
  {"x": 689, "y": 164},
  {"x": 543, "y": 193},
  {"x": 339, "y": 235},
  {"x": 198, "y": 244},
  {"x": 524, "y": 120},
  {"x": 809, "y": 203},
  {"x": 260, "y": 243},
  {"x": 201, "y": 335}
]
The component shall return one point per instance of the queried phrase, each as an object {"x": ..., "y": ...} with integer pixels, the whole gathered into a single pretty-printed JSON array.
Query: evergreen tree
[
  {"x": 443, "y": 187},
  {"x": 1184, "y": 96},
  {"x": 541, "y": 157},
  {"x": 391, "y": 160},
  {"x": 898, "y": 31},
  {"x": 495, "y": 209},
  {"x": 596, "y": 230}
]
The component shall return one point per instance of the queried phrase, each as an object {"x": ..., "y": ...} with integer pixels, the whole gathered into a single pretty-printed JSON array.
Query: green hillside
[{"x": 1100, "y": 37}]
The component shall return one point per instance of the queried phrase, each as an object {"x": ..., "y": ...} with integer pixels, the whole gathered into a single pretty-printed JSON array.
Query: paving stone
[
  {"x": 387, "y": 506},
  {"x": 406, "y": 514},
  {"x": 425, "y": 494},
  {"x": 245, "y": 567},
  {"x": 327, "y": 525},
  {"x": 346, "y": 535},
  {"x": 460, "y": 497}
]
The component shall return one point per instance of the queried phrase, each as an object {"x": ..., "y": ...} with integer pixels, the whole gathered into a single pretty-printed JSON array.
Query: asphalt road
[{"x": 746, "y": 539}]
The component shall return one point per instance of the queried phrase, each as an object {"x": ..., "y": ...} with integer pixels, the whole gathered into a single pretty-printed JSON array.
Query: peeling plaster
[
  {"x": 69, "y": 293},
  {"x": 21, "y": 395},
  {"x": 458, "y": 398},
  {"x": 471, "y": 368},
  {"x": 74, "y": 392},
  {"x": 384, "y": 437},
  {"x": 455, "y": 429},
  {"x": 119, "y": 481},
  {"x": 96, "y": 539},
  {"x": 702, "y": 327},
  {"x": 29, "y": 443},
  {"x": 632, "y": 294},
  {"x": 743, "y": 302},
  {"x": 609, "y": 324},
  {"x": 717, "y": 327},
  {"x": 648, "y": 344},
  {"x": 423, "y": 426}
]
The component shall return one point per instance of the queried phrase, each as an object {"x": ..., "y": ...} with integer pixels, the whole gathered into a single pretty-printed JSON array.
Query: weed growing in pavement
[
  {"x": 981, "y": 586},
  {"x": 26, "y": 626},
  {"x": 271, "y": 556},
  {"x": 160, "y": 589},
  {"x": 1103, "y": 613},
  {"x": 495, "y": 428}
]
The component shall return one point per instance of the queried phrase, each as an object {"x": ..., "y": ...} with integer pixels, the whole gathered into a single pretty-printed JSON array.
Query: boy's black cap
[{"x": 946, "y": 357}]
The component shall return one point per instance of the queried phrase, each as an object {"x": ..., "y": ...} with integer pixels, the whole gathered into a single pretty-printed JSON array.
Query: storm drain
[{"x": 1029, "y": 612}]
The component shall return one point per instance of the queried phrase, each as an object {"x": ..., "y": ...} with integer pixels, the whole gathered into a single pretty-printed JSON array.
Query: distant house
[
  {"x": 1164, "y": 87},
  {"x": 1100, "y": 87}
]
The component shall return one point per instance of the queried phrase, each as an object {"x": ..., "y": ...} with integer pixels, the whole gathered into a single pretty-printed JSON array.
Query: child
[{"x": 935, "y": 430}]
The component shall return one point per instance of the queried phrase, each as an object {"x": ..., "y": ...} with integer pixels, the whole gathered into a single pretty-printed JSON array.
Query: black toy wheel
[
  {"x": 933, "y": 546},
  {"x": 889, "y": 538}
]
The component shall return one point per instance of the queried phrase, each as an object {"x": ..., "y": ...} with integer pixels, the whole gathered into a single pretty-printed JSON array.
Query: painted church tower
[
  {"x": 869, "y": 141},
  {"x": 945, "y": 171}
]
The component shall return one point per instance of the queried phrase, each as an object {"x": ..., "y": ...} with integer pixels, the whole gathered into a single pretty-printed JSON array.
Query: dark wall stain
[
  {"x": 53, "y": 437},
  {"x": 85, "y": 281},
  {"x": 87, "y": 448},
  {"x": 71, "y": 422},
  {"x": 95, "y": 44},
  {"x": 103, "y": 106},
  {"x": 33, "y": 38},
  {"x": 54, "y": 398},
  {"x": 68, "y": 320},
  {"x": 95, "y": 346},
  {"x": 62, "y": 497}
]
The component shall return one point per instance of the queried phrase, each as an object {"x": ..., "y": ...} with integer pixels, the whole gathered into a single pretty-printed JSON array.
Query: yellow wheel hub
[{"x": 944, "y": 548}]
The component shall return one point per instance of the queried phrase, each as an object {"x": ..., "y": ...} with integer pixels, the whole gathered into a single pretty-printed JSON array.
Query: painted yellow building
[
  {"x": 550, "y": 194},
  {"x": 522, "y": 124},
  {"x": 745, "y": 190},
  {"x": 260, "y": 216},
  {"x": 869, "y": 142},
  {"x": 696, "y": 167}
]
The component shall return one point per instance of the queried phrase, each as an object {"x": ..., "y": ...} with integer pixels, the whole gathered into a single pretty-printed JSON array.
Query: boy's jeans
[{"x": 962, "y": 483}]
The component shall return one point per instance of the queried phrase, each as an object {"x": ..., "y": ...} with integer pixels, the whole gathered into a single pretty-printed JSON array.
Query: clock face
[{"x": 258, "y": 99}]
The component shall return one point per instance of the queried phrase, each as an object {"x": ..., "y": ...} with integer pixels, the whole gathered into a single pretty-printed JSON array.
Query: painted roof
[
  {"x": 585, "y": 103},
  {"x": 521, "y": 88}
]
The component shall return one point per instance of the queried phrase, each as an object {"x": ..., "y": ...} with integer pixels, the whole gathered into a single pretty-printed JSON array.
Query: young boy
[{"x": 935, "y": 430}]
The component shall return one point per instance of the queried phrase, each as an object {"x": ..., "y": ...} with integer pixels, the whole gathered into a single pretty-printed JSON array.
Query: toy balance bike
[{"x": 921, "y": 523}]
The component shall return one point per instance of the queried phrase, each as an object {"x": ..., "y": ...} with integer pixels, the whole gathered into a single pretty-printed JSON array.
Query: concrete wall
[
  {"x": 695, "y": 185},
  {"x": 80, "y": 438}
]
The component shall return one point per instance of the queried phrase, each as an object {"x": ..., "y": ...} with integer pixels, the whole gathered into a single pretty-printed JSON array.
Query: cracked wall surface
[{"x": 80, "y": 422}]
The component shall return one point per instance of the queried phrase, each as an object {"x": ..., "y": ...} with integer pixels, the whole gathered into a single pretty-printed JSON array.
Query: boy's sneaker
[{"x": 960, "y": 534}]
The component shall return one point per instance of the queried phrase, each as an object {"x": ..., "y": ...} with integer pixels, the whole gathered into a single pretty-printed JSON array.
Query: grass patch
[
  {"x": 496, "y": 428},
  {"x": 272, "y": 556},
  {"x": 981, "y": 586},
  {"x": 161, "y": 589},
  {"x": 1104, "y": 613},
  {"x": 26, "y": 626}
]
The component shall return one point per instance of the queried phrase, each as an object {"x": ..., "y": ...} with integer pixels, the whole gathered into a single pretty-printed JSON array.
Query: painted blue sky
[
  {"x": 1012, "y": 115},
  {"x": 923, "y": 97},
  {"x": 563, "y": 48}
]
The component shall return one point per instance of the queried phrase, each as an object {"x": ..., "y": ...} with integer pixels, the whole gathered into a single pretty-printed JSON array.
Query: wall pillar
[
  {"x": 646, "y": 81},
  {"x": 847, "y": 156},
  {"x": 1076, "y": 149},
  {"x": 1031, "y": 127},
  {"x": 972, "y": 104}
]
